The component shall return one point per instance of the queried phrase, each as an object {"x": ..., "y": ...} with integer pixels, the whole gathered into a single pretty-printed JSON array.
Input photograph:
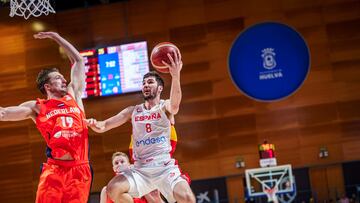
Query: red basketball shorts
[{"x": 64, "y": 182}]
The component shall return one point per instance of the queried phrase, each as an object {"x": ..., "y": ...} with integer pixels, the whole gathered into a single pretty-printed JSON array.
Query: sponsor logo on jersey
[
  {"x": 153, "y": 116},
  {"x": 62, "y": 111},
  {"x": 67, "y": 134},
  {"x": 151, "y": 141},
  {"x": 57, "y": 135}
]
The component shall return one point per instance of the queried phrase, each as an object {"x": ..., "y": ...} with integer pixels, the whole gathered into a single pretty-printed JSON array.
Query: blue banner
[{"x": 269, "y": 61}]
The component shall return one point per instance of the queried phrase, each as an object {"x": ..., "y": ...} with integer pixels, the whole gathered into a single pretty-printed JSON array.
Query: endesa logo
[{"x": 151, "y": 140}]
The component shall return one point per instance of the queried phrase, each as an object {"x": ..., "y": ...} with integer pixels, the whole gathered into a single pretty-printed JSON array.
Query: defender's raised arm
[{"x": 77, "y": 83}]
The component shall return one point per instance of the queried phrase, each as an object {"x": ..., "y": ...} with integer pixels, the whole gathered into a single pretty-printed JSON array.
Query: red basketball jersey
[{"x": 61, "y": 123}]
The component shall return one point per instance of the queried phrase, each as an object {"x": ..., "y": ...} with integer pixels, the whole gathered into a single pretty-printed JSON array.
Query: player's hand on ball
[{"x": 175, "y": 65}]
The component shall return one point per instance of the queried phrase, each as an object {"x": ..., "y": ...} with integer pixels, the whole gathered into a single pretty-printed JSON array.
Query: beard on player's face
[{"x": 150, "y": 93}]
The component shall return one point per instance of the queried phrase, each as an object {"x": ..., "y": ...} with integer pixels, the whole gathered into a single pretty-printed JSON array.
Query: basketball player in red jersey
[
  {"x": 66, "y": 176},
  {"x": 154, "y": 168}
]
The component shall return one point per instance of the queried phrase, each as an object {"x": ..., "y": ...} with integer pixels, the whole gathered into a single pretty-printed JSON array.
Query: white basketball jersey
[{"x": 151, "y": 132}]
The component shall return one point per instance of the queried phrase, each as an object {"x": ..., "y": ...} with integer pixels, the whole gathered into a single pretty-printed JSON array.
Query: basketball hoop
[
  {"x": 27, "y": 8},
  {"x": 271, "y": 194}
]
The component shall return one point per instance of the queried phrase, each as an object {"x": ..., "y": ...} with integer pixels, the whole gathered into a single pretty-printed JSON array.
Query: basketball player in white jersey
[{"x": 153, "y": 166}]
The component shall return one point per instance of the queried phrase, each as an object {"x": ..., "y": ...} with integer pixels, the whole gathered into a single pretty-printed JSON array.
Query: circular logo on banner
[{"x": 269, "y": 61}]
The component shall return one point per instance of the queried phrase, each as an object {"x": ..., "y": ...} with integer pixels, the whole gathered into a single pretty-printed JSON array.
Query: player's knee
[
  {"x": 117, "y": 186},
  {"x": 186, "y": 196},
  {"x": 189, "y": 197}
]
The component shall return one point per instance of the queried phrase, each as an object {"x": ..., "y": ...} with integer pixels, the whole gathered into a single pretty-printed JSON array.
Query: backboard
[{"x": 259, "y": 180}]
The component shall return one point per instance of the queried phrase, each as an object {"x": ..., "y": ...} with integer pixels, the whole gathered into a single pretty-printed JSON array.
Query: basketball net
[
  {"x": 271, "y": 194},
  {"x": 27, "y": 8}
]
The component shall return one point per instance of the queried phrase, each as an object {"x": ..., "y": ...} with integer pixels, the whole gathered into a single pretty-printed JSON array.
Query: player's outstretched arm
[
  {"x": 112, "y": 122},
  {"x": 17, "y": 113},
  {"x": 175, "y": 66},
  {"x": 77, "y": 83}
]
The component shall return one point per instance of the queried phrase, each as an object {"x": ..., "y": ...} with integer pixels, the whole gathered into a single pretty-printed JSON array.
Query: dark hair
[
  {"x": 157, "y": 77},
  {"x": 43, "y": 78}
]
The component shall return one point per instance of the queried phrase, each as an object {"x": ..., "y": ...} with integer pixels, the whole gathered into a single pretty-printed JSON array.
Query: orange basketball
[{"x": 159, "y": 54}]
